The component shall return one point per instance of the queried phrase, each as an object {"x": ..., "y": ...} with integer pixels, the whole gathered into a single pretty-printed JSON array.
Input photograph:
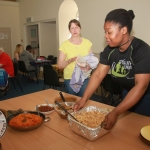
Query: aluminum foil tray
[{"x": 87, "y": 132}]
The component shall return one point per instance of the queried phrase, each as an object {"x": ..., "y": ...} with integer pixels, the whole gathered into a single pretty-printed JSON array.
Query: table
[
  {"x": 39, "y": 63},
  {"x": 41, "y": 138},
  {"x": 57, "y": 133}
]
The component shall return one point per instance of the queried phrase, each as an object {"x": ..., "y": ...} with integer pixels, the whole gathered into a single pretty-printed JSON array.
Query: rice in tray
[{"x": 89, "y": 118}]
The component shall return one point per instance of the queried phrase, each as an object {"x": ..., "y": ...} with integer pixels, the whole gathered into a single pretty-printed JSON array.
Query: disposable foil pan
[{"x": 87, "y": 132}]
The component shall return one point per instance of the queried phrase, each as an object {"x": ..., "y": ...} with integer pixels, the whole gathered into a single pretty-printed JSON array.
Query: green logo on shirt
[{"x": 121, "y": 69}]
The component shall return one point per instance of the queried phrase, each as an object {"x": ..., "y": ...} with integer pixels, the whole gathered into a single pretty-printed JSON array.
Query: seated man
[
  {"x": 27, "y": 57},
  {"x": 31, "y": 50}
]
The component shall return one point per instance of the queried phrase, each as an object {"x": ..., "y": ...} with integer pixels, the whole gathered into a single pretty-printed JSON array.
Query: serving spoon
[
  {"x": 47, "y": 102},
  {"x": 62, "y": 97},
  {"x": 63, "y": 108},
  {"x": 37, "y": 108}
]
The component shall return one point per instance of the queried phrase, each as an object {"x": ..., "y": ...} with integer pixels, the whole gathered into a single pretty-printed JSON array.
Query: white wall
[
  {"x": 9, "y": 17},
  {"x": 91, "y": 14},
  {"x": 48, "y": 39},
  {"x": 41, "y": 11},
  {"x": 67, "y": 11}
]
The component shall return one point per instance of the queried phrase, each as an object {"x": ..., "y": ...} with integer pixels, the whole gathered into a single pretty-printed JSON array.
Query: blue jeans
[
  {"x": 70, "y": 91},
  {"x": 142, "y": 107}
]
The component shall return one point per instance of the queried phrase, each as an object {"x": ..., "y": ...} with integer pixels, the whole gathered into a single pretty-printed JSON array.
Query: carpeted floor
[{"x": 30, "y": 87}]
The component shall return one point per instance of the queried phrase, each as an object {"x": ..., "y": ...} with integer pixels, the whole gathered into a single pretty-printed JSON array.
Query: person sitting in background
[
  {"x": 18, "y": 51},
  {"x": 6, "y": 62},
  {"x": 31, "y": 50},
  {"x": 6, "y": 70},
  {"x": 27, "y": 57}
]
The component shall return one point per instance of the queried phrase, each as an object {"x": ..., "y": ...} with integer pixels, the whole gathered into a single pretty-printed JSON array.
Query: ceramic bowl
[
  {"x": 67, "y": 98},
  {"x": 67, "y": 105},
  {"x": 46, "y": 109}
]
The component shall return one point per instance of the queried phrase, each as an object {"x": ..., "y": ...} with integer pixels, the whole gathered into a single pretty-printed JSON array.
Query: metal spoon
[
  {"x": 62, "y": 97},
  {"x": 37, "y": 108},
  {"x": 47, "y": 102},
  {"x": 47, "y": 118}
]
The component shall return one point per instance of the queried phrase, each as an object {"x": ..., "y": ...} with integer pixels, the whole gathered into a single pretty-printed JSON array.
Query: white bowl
[
  {"x": 47, "y": 112},
  {"x": 38, "y": 59}
]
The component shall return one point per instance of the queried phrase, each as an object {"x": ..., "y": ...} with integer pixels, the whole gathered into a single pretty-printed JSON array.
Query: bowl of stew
[{"x": 46, "y": 108}]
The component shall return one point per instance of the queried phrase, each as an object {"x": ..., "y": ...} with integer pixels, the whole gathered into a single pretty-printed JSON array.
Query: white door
[
  {"x": 33, "y": 38},
  {"x": 5, "y": 40}
]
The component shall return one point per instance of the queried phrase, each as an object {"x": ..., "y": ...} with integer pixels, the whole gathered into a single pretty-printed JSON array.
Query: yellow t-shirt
[{"x": 72, "y": 50}]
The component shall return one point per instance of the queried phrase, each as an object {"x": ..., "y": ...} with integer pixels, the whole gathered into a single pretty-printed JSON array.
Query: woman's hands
[
  {"x": 80, "y": 104},
  {"x": 62, "y": 62},
  {"x": 110, "y": 119},
  {"x": 71, "y": 60},
  {"x": 86, "y": 68}
]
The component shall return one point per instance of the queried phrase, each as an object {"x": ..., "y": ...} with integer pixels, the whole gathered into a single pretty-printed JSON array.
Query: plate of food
[
  {"x": 25, "y": 121},
  {"x": 145, "y": 134},
  {"x": 45, "y": 108}
]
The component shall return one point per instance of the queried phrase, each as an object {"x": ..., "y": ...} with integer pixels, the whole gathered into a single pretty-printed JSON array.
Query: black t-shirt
[{"x": 124, "y": 65}]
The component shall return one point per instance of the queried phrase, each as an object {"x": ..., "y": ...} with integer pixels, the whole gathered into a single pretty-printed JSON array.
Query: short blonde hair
[{"x": 1, "y": 48}]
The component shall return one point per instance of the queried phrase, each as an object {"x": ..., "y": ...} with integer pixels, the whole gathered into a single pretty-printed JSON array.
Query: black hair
[
  {"x": 28, "y": 47},
  {"x": 122, "y": 17},
  {"x": 75, "y": 21}
]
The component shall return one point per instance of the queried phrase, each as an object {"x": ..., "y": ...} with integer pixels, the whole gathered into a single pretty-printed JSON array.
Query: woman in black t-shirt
[{"x": 129, "y": 60}]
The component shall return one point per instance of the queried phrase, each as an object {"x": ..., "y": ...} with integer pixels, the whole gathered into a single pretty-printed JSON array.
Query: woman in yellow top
[
  {"x": 18, "y": 51},
  {"x": 69, "y": 50}
]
